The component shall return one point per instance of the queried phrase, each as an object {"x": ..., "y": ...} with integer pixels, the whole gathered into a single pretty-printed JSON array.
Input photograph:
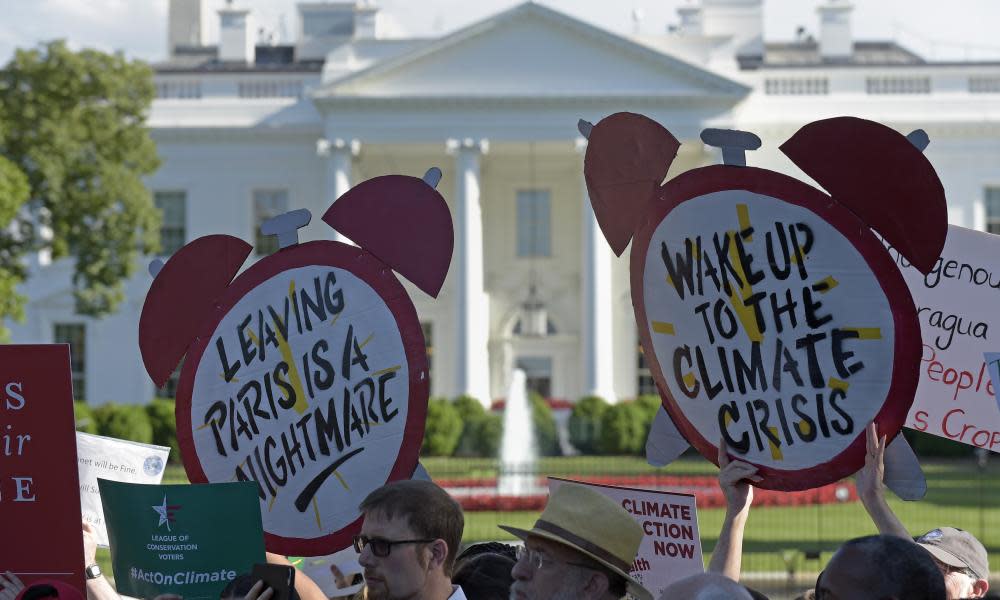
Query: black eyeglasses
[{"x": 380, "y": 547}]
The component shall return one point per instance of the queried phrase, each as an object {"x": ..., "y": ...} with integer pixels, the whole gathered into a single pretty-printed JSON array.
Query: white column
[
  {"x": 339, "y": 154},
  {"x": 596, "y": 328},
  {"x": 472, "y": 368}
]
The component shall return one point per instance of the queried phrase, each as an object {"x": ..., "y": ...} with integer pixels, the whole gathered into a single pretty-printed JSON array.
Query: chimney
[
  {"x": 326, "y": 25},
  {"x": 690, "y": 16},
  {"x": 835, "y": 30},
  {"x": 365, "y": 15},
  {"x": 237, "y": 36},
  {"x": 187, "y": 24},
  {"x": 740, "y": 20}
]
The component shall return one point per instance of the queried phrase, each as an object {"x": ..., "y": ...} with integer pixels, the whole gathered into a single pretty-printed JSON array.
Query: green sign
[{"x": 189, "y": 540}]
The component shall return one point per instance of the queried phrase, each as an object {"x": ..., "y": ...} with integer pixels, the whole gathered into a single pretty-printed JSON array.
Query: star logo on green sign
[{"x": 166, "y": 512}]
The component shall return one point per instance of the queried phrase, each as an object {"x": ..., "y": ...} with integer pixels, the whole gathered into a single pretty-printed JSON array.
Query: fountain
[{"x": 518, "y": 452}]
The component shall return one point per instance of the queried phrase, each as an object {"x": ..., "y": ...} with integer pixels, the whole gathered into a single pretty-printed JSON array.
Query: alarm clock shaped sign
[
  {"x": 773, "y": 319},
  {"x": 307, "y": 373}
]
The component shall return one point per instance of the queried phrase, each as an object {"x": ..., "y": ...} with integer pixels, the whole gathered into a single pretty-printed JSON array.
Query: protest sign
[
  {"x": 39, "y": 489},
  {"x": 307, "y": 373},
  {"x": 957, "y": 307},
  {"x": 671, "y": 544},
  {"x": 188, "y": 540},
  {"x": 770, "y": 316},
  {"x": 116, "y": 460}
]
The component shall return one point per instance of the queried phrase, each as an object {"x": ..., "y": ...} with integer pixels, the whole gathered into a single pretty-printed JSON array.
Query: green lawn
[{"x": 958, "y": 496}]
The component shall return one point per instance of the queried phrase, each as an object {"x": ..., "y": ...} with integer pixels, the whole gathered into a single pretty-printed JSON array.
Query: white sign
[
  {"x": 770, "y": 327},
  {"x": 671, "y": 544},
  {"x": 117, "y": 460},
  {"x": 958, "y": 304},
  {"x": 303, "y": 389}
]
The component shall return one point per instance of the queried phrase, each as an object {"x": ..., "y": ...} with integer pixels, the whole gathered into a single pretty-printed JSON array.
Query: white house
[{"x": 247, "y": 130}]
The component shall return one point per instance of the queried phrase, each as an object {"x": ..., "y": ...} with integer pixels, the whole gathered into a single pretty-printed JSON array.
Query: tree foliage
[{"x": 75, "y": 149}]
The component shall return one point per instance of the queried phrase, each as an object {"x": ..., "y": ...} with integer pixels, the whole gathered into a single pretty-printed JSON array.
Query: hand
[
  {"x": 734, "y": 478},
  {"x": 338, "y": 577},
  {"x": 10, "y": 586},
  {"x": 869, "y": 479},
  {"x": 89, "y": 544},
  {"x": 259, "y": 591}
]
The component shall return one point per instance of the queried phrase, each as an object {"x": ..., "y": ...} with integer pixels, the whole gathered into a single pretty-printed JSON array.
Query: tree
[{"x": 72, "y": 131}]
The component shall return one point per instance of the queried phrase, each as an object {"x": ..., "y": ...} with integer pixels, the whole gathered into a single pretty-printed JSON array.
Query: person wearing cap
[
  {"x": 580, "y": 548},
  {"x": 880, "y": 567},
  {"x": 408, "y": 542},
  {"x": 960, "y": 557}
]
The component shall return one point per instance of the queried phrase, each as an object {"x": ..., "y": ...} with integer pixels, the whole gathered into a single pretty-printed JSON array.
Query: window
[
  {"x": 74, "y": 334},
  {"x": 537, "y": 374},
  {"x": 178, "y": 90},
  {"x": 533, "y": 223},
  {"x": 173, "y": 230},
  {"x": 898, "y": 85},
  {"x": 267, "y": 204},
  {"x": 993, "y": 209},
  {"x": 270, "y": 89},
  {"x": 428, "y": 329},
  {"x": 645, "y": 385},
  {"x": 796, "y": 86},
  {"x": 169, "y": 389},
  {"x": 984, "y": 85}
]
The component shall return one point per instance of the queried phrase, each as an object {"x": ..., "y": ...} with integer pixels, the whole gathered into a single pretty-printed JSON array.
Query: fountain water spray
[{"x": 518, "y": 452}]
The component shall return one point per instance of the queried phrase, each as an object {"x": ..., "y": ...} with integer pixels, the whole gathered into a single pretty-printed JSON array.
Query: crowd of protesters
[{"x": 581, "y": 548}]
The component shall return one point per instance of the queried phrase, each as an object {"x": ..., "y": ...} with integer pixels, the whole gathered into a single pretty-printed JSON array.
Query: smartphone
[{"x": 280, "y": 578}]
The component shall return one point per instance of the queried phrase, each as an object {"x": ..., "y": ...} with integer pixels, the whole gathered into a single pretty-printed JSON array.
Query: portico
[{"x": 512, "y": 161}]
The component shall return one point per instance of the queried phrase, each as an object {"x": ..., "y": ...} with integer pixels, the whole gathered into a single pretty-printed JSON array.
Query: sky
[{"x": 938, "y": 30}]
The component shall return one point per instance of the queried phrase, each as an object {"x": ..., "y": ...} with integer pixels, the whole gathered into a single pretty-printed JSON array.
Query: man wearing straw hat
[{"x": 581, "y": 548}]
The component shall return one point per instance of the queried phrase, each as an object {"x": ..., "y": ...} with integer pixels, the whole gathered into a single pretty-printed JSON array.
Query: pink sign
[{"x": 671, "y": 546}]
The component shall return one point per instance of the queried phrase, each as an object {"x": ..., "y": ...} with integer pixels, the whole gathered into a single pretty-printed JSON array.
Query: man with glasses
[
  {"x": 581, "y": 548},
  {"x": 408, "y": 542},
  {"x": 960, "y": 557}
]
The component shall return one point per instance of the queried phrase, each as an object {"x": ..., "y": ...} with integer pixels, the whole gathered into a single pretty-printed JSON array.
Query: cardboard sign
[
  {"x": 671, "y": 546},
  {"x": 960, "y": 325},
  {"x": 777, "y": 325},
  {"x": 116, "y": 460},
  {"x": 770, "y": 315},
  {"x": 307, "y": 373},
  {"x": 188, "y": 540},
  {"x": 39, "y": 489},
  {"x": 312, "y": 383}
]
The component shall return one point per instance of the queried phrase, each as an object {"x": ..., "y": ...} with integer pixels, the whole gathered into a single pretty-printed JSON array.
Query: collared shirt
[{"x": 457, "y": 593}]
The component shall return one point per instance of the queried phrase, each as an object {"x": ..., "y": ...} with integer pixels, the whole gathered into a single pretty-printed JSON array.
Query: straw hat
[{"x": 593, "y": 525}]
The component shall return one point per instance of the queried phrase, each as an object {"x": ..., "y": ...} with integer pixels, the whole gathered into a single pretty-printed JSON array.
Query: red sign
[{"x": 39, "y": 486}]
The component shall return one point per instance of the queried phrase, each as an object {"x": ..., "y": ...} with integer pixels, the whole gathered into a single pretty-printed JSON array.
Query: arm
[
  {"x": 734, "y": 478},
  {"x": 871, "y": 490},
  {"x": 100, "y": 588},
  {"x": 304, "y": 585}
]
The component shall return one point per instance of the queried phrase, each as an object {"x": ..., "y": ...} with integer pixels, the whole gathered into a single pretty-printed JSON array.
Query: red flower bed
[{"x": 479, "y": 494}]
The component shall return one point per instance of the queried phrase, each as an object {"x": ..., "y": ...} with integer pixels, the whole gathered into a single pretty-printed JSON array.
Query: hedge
[
  {"x": 481, "y": 430},
  {"x": 623, "y": 429},
  {"x": 84, "y": 416},
  {"x": 163, "y": 421},
  {"x": 585, "y": 424},
  {"x": 124, "y": 421},
  {"x": 443, "y": 428}
]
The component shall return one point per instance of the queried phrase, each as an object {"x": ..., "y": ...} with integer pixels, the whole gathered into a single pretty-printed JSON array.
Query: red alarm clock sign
[
  {"x": 307, "y": 373},
  {"x": 772, "y": 316}
]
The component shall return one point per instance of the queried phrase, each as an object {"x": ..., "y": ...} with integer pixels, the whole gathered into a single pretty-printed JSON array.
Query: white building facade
[{"x": 246, "y": 131}]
